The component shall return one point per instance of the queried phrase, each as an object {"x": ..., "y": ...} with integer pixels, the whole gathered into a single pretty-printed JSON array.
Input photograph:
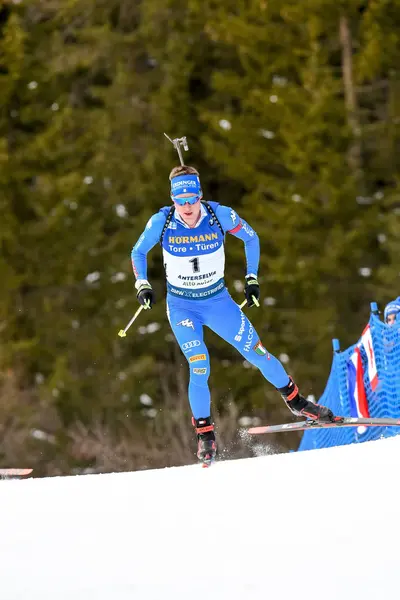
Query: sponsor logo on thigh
[
  {"x": 188, "y": 346},
  {"x": 200, "y": 371},
  {"x": 197, "y": 357}
]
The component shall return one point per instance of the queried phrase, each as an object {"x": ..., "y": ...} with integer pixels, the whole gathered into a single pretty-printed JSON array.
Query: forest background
[{"x": 292, "y": 114}]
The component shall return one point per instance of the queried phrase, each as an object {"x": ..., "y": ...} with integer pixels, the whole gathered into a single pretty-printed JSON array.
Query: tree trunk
[{"x": 354, "y": 155}]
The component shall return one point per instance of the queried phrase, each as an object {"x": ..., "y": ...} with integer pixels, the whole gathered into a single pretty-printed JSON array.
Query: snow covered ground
[{"x": 323, "y": 524}]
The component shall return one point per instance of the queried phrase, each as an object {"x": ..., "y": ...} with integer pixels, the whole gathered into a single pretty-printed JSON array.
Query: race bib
[{"x": 194, "y": 272}]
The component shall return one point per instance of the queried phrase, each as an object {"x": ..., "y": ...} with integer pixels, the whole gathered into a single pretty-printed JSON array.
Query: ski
[
  {"x": 15, "y": 472},
  {"x": 345, "y": 422}
]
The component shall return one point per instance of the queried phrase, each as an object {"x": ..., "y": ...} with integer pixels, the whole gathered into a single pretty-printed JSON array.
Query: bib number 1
[{"x": 195, "y": 263}]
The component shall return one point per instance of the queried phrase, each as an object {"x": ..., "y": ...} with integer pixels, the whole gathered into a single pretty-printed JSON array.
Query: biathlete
[{"x": 192, "y": 234}]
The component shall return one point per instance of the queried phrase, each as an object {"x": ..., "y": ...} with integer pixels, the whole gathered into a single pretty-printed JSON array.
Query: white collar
[{"x": 203, "y": 213}]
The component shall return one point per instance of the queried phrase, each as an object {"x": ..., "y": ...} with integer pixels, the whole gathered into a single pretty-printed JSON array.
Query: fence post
[
  {"x": 374, "y": 308},
  {"x": 338, "y": 365}
]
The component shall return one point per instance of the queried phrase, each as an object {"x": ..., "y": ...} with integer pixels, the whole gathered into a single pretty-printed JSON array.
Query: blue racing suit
[{"x": 194, "y": 262}]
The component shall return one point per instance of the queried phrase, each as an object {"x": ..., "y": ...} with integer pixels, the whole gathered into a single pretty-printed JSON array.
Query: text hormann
[{"x": 191, "y": 239}]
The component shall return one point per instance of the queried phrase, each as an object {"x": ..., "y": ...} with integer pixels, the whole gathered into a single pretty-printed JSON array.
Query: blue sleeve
[
  {"x": 233, "y": 224},
  {"x": 147, "y": 241}
]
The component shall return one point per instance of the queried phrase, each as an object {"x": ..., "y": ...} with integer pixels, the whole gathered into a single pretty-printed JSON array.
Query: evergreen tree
[
  {"x": 279, "y": 125},
  {"x": 291, "y": 113}
]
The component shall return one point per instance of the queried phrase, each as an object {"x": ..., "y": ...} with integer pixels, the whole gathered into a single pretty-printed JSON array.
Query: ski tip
[
  {"x": 255, "y": 430},
  {"x": 15, "y": 472}
]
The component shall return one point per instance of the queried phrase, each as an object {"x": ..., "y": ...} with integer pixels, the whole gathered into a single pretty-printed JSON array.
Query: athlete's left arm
[{"x": 233, "y": 224}]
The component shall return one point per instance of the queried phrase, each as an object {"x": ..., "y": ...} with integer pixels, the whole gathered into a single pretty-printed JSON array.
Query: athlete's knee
[
  {"x": 256, "y": 353},
  {"x": 199, "y": 368},
  {"x": 199, "y": 359}
]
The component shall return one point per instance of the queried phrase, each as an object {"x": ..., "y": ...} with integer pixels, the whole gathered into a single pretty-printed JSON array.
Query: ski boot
[
  {"x": 206, "y": 445},
  {"x": 301, "y": 407}
]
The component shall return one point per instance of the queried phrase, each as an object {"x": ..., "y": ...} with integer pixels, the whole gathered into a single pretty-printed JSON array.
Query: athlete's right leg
[{"x": 187, "y": 326}]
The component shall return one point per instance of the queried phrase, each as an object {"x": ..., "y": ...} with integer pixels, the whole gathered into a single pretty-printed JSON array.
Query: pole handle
[{"x": 256, "y": 302}]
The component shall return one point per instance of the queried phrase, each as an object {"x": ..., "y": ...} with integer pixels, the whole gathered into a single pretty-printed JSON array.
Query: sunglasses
[{"x": 183, "y": 201}]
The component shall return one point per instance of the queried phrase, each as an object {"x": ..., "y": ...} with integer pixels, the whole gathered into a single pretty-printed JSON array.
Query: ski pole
[
  {"x": 256, "y": 302},
  {"x": 122, "y": 332}
]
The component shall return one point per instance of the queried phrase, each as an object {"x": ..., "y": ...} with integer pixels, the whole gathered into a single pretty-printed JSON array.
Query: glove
[
  {"x": 145, "y": 293},
  {"x": 252, "y": 289}
]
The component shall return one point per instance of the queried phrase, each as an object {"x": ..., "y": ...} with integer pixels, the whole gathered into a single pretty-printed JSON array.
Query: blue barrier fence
[{"x": 384, "y": 401}]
